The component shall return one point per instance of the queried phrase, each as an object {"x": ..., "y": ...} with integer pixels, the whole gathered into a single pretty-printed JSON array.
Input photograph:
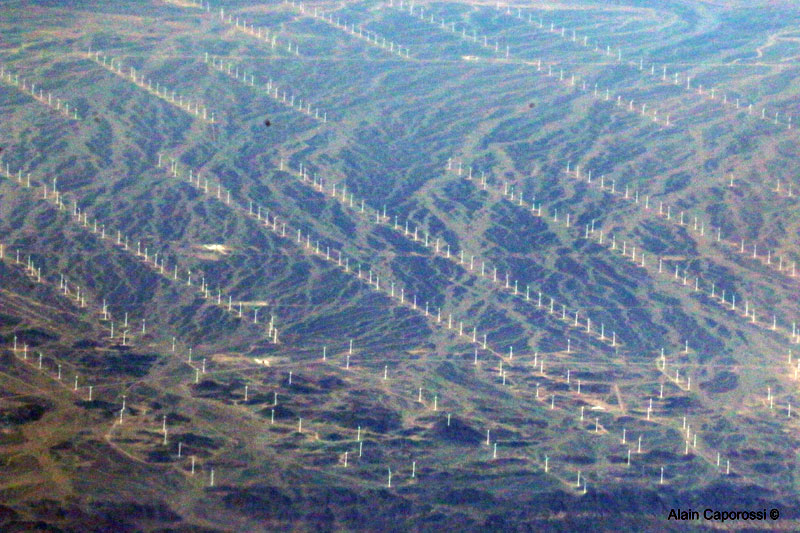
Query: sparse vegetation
[{"x": 539, "y": 428}]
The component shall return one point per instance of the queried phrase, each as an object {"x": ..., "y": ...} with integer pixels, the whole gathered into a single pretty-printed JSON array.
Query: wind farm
[{"x": 390, "y": 265}]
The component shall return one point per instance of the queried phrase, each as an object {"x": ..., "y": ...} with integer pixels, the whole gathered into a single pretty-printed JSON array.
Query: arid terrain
[{"x": 388, "y": 266}]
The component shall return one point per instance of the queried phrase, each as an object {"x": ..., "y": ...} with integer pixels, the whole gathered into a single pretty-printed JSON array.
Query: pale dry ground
[{"x": 622, "y": 403}]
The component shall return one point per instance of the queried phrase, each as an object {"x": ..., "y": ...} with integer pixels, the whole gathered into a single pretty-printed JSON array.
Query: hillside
[{"x": 391, "y": 266}]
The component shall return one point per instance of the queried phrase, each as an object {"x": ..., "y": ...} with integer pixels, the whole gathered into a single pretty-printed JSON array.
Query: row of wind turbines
[
  {"x": 29, "y": 87},
  {"x": 656, "y": 72},
  {"x": 192, "y": 107},
  {"x": 358, "y": 32},
  {"x": 552, "y": 70},
  {"x": 271, "y": 89},
  {"x": 260, "y": 33}
]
